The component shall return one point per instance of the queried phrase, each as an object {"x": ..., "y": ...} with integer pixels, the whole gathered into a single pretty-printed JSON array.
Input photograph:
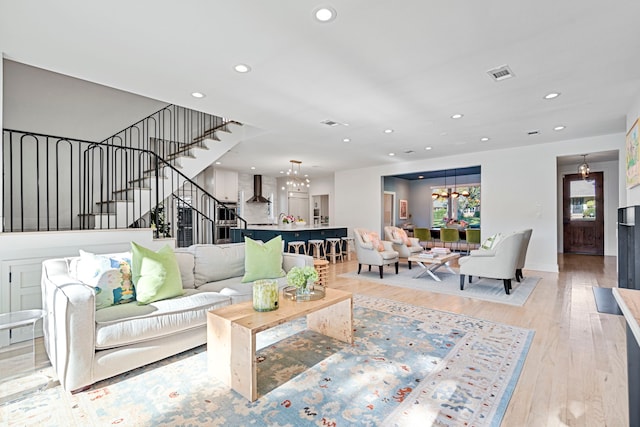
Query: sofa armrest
[
  {"x": 69, "y": 324},
  {"x": 482, "y": 253},
  {"x": 295, "y": 260}
]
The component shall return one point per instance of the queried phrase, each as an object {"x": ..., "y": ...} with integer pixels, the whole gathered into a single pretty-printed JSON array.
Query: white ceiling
[{"x": 406, "y": 65}]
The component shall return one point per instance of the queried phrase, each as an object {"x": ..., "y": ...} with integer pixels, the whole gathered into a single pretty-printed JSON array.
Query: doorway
[{"x": 583, "y": 214}]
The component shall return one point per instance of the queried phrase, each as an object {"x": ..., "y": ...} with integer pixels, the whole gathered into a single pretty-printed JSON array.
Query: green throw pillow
[
  {"x": 491, "y": 242},
  {"x": 262, "y": 260},
  {"x": 156, "y": 275}
]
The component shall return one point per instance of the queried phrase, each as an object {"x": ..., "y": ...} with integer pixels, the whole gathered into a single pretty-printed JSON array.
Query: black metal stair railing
[{"x": 56, "y": 183}]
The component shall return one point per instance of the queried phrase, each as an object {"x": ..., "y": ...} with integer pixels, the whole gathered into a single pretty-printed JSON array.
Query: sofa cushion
[
  {"x": 127, "y": 324},
  {"x": 218, "y": 262},
  {"x": 186, "y": 263},
  {"x": 262, "y": 260},
  {"x": 156, "y": 275}
]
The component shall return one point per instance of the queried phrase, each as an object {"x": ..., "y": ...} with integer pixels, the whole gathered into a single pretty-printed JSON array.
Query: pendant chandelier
[
  {"x": 454, "y": 193},
  {"x": 295, "y": 180},
  {"x": 583, "y": 169},
  {"x": 444, "y": 194}
]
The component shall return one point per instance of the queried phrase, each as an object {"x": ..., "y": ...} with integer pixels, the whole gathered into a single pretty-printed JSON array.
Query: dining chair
[
  {"x": 473, "y": 238},
  {"x": 449, "y": 235},
  {"x": 423, "y": 235}
]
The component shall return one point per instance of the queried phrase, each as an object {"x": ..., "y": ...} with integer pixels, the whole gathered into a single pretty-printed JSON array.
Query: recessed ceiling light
[
  {"x": 484, "y": 139},
  {"x": 325, "y": 14},
  {"x": 428, "y": 148},
  {"x": 388, "y": 131},
  {"x": 218, "y": 163},
  {"x": 420, "y": 177},
  {"x": 552, "y": 95},
  {"x": 346, "y": 140},
  {"x": 559, "y": 127},
  {"x": 282, "y": 172},
  {"x": 392, "y": 154},
  {"x": 457, "y": 116},
  {"x": 242, "y": 68},
  {"x": 443, "y": 133},
  {"x": 198, "y": 94},
  {"x": 253, "y": 168}
]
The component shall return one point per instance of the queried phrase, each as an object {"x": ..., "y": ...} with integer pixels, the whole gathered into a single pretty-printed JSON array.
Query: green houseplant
[{"x": 302, "y": 278}]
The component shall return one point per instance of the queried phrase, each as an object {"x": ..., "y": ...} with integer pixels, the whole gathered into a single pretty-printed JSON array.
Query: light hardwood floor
[{"x": 575, "y": 373}]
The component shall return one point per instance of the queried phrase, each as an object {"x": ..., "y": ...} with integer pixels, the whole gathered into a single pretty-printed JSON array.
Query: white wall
[
  {"x": 611, "y": 202},
  {"x": 519, "y": 190},
  {"x": 632, "y": 195}
]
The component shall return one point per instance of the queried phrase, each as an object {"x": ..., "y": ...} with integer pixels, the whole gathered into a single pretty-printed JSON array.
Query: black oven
[{"x": 226, "y": 215}]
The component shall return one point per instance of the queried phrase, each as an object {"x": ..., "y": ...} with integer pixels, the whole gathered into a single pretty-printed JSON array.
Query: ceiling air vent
[
  {"x": 501, "y": 73},
  {"x": 329, "y": 123},
  {"x": 533, "y": 132}
]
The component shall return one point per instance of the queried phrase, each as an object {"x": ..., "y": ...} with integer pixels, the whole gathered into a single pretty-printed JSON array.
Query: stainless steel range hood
[{"x": 257, "y": 191}]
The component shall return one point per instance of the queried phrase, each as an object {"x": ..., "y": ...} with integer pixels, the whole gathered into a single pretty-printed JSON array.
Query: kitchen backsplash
[{"x": 257, "y": 213}]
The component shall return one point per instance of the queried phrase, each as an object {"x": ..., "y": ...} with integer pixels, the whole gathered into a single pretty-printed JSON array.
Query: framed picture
[
  {"x": 633, "y": 156},
  {"x": 403, "y": 209}
]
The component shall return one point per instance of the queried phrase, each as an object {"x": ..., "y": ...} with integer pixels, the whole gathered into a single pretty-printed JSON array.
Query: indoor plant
[{"x": 302, "y": 278}]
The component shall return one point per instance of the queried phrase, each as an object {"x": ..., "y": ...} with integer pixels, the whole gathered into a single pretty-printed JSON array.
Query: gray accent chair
[
  {"x": 398, "y": 244},
  {"x": 523, "y": 253},
  {"x": 369, "y": 255},
  {"x": 496, "y": 263}
]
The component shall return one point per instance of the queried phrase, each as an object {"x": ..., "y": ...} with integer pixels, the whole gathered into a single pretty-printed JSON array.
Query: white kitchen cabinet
[{"x": 225, "y": 185}]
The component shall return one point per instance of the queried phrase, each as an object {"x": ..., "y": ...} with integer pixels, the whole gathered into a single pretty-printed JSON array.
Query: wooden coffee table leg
[
  {"x": 231, "y": 354},
  {"x": 335, "y": 321}
]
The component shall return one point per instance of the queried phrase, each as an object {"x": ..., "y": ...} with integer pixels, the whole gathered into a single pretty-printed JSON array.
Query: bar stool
[
  {"x": 335, "y": 249},
  {"x": 317, "y": 249},
  {"x": 348, "y": 243},
  {"x": 297, "y": 247}
]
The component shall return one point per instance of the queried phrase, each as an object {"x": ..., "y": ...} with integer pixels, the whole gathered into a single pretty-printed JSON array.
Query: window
[
  {"x": 462, "y": 208},
  {"x": 583, "y": 200}
]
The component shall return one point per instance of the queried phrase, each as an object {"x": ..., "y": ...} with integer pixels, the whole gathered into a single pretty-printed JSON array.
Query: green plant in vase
[{"x": 302, "y": 278}]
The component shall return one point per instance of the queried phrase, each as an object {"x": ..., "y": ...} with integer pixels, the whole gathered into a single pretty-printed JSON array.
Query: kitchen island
[{"x": 294, "y": 233}]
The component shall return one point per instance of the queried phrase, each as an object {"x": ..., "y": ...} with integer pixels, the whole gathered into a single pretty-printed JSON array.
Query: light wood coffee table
[
  {"x": 430, "y": 265},
  {"x": 231, "y": 333}
]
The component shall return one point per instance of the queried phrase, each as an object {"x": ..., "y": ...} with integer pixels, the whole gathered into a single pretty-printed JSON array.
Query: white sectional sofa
[{"x": 86, "y": 346}]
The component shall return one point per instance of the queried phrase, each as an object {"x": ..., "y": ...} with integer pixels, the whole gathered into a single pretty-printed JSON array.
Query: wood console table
[{"x": 629, "y": 302}]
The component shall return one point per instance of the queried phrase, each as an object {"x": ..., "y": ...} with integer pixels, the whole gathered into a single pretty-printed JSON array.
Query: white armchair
[
  {"x": 369, "y": 253},
  {"x": 405, "y": 248},
  {"x": 523, "y": 253},
  {"x": 496, "y": 263}
]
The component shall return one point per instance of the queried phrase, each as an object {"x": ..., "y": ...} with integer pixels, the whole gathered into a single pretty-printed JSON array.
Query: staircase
[{"x": 135, "y": 178}]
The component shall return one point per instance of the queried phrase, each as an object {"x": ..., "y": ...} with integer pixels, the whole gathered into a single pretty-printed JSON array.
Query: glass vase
[
  {"x": 265, "y": 295},
  {"x": 305, "y": 290}
]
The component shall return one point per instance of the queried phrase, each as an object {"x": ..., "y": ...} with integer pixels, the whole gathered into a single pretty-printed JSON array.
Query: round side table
[{"x": 18, "y": 380}]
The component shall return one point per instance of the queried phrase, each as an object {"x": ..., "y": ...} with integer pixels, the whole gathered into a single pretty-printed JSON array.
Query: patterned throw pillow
[
  {"x": 110, "y": 277},
  {"x": 114, "y": 285},
  {"x": 491, "y": 242},
  {"x": 374, "y": 238}
]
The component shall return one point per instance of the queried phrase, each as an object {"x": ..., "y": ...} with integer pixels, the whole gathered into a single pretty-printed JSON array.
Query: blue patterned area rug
[{"x": 408, "y": 366}]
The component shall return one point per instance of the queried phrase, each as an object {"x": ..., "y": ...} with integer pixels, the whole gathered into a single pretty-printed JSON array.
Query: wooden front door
[{"x": 583, "y": 214}]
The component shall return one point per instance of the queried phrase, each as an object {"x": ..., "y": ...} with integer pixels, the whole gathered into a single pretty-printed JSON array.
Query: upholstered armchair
[
  {"x": 372, "y": 251},
  {"x": 523, "y": 253},
  {"x": 498, "y": 262},
  {"x": 401, "y": 243}
]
